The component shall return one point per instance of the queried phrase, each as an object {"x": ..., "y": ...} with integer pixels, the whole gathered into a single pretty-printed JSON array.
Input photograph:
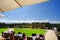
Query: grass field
[
  {"x": 29, "y": 31},
  {"x": 2, "y": 30}
]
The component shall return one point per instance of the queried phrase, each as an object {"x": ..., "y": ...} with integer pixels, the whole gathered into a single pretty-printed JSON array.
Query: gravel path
[{"x": 50, "y": 35}]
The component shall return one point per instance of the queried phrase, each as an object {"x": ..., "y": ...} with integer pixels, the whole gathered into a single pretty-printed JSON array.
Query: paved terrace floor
[{"x": 50, "y": 35}]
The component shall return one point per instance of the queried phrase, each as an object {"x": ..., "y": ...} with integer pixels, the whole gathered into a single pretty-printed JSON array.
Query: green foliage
[
  {"x": 23, "y": 27},
  {"x": 58, "y": 33},
  {"x": 3, "y": 26}
]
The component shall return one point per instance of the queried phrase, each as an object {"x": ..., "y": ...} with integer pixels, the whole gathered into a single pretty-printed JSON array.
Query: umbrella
[
  {"x": 0, "y": 11},
  {"x": 6, "y": 5}
]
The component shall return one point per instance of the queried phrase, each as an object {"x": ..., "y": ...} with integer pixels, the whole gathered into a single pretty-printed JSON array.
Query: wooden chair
[
  {"x": 29, "y": 38},
  {"x": 17, "y": 38},
  {"x": 42, "y": 37},
  {"x": 37, "y": 39},
  {"x": 58, "y": 37}
]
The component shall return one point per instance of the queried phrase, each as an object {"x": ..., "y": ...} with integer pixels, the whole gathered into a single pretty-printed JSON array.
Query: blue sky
[{"x": 49, "y": 10}]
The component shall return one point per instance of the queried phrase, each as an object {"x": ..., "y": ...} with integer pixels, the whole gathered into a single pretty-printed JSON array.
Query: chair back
[{"x": 29, "y": 38}]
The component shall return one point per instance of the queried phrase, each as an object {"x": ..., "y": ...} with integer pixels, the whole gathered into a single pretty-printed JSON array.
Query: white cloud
[
  {"x": 2, "y": 16},
  {"x": 26, "y": 21},
  {"x": 55, "y": 22}
]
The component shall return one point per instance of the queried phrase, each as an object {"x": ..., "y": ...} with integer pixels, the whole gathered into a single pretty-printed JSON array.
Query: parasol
[{"x": 6, "y": 5}]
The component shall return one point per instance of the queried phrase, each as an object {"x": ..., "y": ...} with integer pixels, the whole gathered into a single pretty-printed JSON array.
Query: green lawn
[
  {"x": 2, "y": 30},
  {"x": 29, "y": 31}
]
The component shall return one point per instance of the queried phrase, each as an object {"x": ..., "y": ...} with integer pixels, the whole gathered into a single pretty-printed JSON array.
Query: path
[{"x": 50, "y": 35}]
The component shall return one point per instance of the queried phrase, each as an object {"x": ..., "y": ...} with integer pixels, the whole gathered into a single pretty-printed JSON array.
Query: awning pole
[
  {"x": 1, "y": 10},
  {"x": 18, "y": 3}
]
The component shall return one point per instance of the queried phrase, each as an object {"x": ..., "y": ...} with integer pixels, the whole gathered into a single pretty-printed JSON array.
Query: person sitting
[
  {"x": 41, "y": 37},
  {"x": 29, "y": 38},
  {"x": 13, "y": 32},
  {"x": 19, "y": 34},
  {"x": 10, "y": 30},
  {"x": 24, "y": 36},
  {"x": 34, "y": 36}
]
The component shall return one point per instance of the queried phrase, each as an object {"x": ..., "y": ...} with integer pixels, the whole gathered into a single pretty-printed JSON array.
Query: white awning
[
  {"x": 6, "y": 5},
  {"x": 29, "y": 2},
  {"x": 0, "y": 11}
]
